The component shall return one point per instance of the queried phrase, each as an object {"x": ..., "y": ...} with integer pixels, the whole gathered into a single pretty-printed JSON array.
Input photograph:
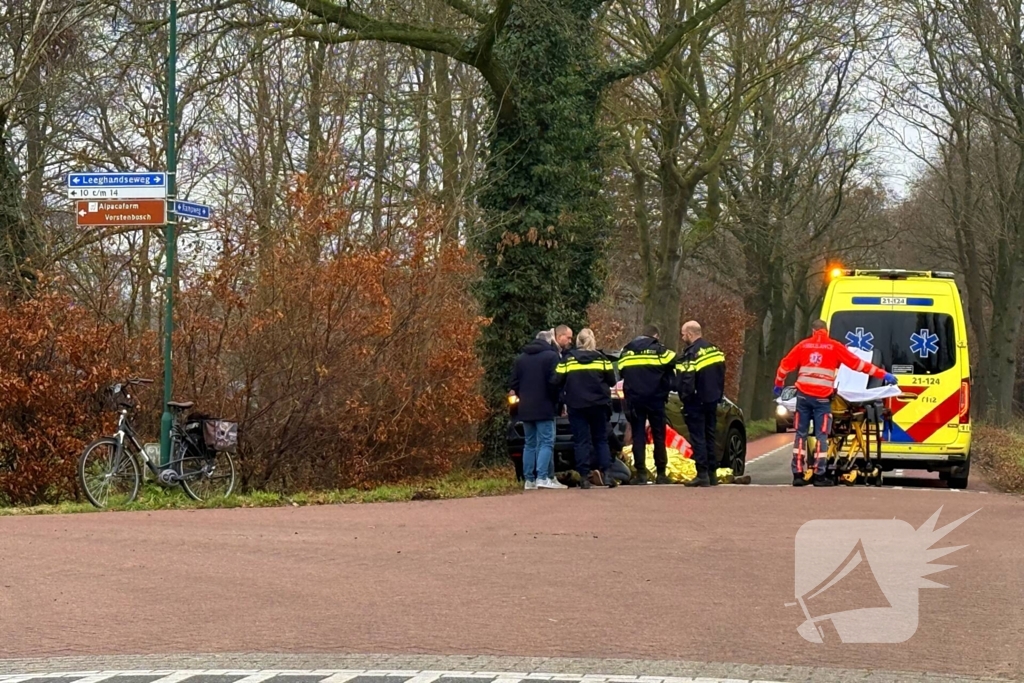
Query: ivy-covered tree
[{"x": 547, "y": 66}]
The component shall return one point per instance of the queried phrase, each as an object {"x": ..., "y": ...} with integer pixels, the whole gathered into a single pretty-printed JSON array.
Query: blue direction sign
[
  {"x": 117, "y": 179},
  {"x": 191, "y": 210}
]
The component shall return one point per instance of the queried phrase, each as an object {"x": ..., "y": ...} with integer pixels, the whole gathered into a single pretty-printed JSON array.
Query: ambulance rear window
[{"x": 904, "y": 342}]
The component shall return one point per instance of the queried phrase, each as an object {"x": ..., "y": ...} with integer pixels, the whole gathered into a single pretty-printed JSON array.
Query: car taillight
[{"x": 965, "y": 401}]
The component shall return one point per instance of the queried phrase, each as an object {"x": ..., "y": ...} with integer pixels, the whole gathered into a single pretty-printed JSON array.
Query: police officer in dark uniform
[
  {"x": 646, "y": 368},
  {"x": 701, "y": 385},
  {"x": 586, "y": 377}
]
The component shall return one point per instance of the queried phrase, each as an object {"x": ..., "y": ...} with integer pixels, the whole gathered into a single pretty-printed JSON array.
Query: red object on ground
[{"x": 673, "y": 439}]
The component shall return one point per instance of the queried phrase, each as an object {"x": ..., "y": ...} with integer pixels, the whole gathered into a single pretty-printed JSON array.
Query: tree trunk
[
  {"x": 546, "y": 219},
  {"x": 379, "y": 150},
  {"x": 423, "y": 110},
  {"x": 1002, "y": 352},
  {"x": 449, "y": 149},
  {"x": 753, "y": 343}
]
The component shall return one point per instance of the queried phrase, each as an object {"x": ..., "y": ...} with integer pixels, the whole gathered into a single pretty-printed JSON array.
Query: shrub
[
  {"x": 56, "y": 361},
  {"x": 344, "y": 365},
  {"x": 999, "y": 454}
]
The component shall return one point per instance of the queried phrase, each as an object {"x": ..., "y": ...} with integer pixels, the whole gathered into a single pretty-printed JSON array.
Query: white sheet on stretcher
[{"x": 853, "y": 385}]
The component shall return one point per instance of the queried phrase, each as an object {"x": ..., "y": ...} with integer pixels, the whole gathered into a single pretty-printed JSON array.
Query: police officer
[
  {"x": 587, "y": 376},
  {"x": 701, "y": 385},
  {"x": 646, "y": 368}
]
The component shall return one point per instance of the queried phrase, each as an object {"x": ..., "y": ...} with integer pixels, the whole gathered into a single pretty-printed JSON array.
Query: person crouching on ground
[
  {"x": 538, "y": 402},
  {"x": 587, "y": 377}
]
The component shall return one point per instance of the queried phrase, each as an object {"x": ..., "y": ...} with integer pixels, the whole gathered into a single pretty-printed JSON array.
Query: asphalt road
[
  {"x": 653, "y": 573},
  {"x": 768, "y": 463}
]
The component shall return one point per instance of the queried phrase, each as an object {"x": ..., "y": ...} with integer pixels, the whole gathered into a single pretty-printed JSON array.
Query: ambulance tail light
[{"x": 965, "y": 401}]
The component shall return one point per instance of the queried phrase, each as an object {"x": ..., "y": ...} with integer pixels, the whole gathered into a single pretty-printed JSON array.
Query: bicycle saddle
[{"x": 180, "y": 405}]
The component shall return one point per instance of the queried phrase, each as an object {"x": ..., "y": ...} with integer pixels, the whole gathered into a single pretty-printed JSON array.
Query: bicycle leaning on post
[{"x": 201, "y": 447}]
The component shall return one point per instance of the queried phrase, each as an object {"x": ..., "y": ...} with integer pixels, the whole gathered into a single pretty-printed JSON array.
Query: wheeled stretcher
[{"x": 860, "y": 420}]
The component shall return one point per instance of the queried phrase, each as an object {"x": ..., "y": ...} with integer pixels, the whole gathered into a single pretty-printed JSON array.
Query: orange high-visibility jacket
[{"x": 817, "y": 360}]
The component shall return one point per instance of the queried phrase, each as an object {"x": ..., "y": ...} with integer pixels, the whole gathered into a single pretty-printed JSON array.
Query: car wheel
[
  {"x": 735, "y": 450},
  {"x": 780, "y": 428}
]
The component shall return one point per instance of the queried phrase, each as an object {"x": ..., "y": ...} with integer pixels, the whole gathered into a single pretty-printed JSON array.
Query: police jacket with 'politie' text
[
  {"x": 586, "y": 378},
  {"x": 701, "y": 373},
  {"x": 646, "y": 368}
]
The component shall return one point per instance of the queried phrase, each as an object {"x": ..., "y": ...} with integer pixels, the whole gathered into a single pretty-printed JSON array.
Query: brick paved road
[{"x": 660, "y": 573}]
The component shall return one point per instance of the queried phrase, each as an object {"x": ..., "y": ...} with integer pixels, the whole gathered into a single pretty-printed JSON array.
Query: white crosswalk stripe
[{"x": 347, "y": 675}]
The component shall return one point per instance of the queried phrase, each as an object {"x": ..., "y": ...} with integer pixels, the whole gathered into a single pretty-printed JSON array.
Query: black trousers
[
  {"x": 639, "y": 415},
  {"x": 590, "y": 439},
  {"x": 701, "y": 421}
]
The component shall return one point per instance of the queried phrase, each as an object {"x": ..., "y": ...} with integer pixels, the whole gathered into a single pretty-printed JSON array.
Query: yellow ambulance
[{"x": 913, "y": 324}]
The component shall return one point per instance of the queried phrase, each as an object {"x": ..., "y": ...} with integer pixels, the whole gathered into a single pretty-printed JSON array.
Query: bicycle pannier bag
[{"x": 220, "y": 435}]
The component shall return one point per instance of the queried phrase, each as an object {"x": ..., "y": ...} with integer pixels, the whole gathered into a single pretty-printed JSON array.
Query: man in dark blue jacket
[
  {"x": 701, "y": 385},
  {"x": 537, "y": 407},
  {"x": 647, "y": 367}
]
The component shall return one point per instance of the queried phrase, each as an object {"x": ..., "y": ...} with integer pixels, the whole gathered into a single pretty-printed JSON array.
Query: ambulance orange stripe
[
  {"x": 929, "y": 424},
  {"x": 897, "y": 405}
]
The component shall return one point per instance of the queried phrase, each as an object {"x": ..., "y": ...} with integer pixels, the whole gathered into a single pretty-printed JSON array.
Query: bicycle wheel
[
  {"x": 106, "y": 477},
  {"x": 204, "y": 478}
]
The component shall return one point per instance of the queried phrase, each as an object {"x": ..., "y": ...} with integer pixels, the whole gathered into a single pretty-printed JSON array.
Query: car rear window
[{"x": 904, "y": 342}]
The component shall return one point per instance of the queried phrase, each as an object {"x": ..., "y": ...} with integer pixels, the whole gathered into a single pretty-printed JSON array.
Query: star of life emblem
[{"x": 815, "y": 358}]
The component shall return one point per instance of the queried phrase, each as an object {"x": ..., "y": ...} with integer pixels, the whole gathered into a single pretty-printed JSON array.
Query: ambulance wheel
[{"x": 959, "y": 475}]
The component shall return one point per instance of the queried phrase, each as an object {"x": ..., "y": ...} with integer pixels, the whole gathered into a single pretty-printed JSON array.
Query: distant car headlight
[{"x": 781, "y": 411}]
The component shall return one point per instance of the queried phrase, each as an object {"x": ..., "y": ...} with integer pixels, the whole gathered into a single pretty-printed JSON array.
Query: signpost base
[{"x": 165, "y": 437}]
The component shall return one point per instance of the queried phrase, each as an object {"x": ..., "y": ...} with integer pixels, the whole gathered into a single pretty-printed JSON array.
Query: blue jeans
[
  {"x": 590, "y": 439},
  {"x": 818, "y": 410},
  {"x": 539, "y": 450}
]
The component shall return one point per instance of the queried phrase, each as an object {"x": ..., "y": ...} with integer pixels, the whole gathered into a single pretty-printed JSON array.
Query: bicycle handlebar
[{"x": 139, "y": 380}]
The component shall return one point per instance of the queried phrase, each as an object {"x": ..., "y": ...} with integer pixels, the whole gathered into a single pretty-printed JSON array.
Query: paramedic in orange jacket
[{"x": 817, "y": 360}]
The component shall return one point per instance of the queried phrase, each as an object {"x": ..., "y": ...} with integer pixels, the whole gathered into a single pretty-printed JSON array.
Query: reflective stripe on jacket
[
  {"x": 701, "y": 373},
  {"x": 817, "y": 360},
  {"x": 645, "y": 366},
  {"x": 586, "y": 377}
]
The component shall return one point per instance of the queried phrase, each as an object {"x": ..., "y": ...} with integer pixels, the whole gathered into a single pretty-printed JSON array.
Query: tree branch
[
  {"x": 665, "y": 47},
  {"x": 477, "y": 53},
  {"x": 468, "y": 10}
]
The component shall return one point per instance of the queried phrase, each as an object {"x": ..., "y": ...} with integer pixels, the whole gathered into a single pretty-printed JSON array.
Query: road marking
[
  {"x": 257, "y": 677},
  {"x": 175, "y": 677},
  {"x": 339, "y": 678},
  {"x": 780, "y": 449},
  {"x": 342, "y": 676}
]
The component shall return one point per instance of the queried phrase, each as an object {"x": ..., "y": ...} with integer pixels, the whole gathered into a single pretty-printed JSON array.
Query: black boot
[
  {"x": 701, "y": 481},
  {"x": 638, "y": 480},
  {"x": 662, "y": 479},
  {"x": 823, "y": 480},
  {"x": 798, "y": 480},
  {"x": 713, "y": 477}
]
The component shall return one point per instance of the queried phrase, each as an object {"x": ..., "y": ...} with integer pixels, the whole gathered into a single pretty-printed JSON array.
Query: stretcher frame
[{"x": 854, "y": 453}]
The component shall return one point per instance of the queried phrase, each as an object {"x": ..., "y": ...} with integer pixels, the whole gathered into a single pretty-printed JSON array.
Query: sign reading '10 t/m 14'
[{"x": 128, "y": 199}]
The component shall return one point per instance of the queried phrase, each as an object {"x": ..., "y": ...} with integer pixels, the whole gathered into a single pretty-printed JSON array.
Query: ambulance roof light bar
[{"x": 900, "y": 274}]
